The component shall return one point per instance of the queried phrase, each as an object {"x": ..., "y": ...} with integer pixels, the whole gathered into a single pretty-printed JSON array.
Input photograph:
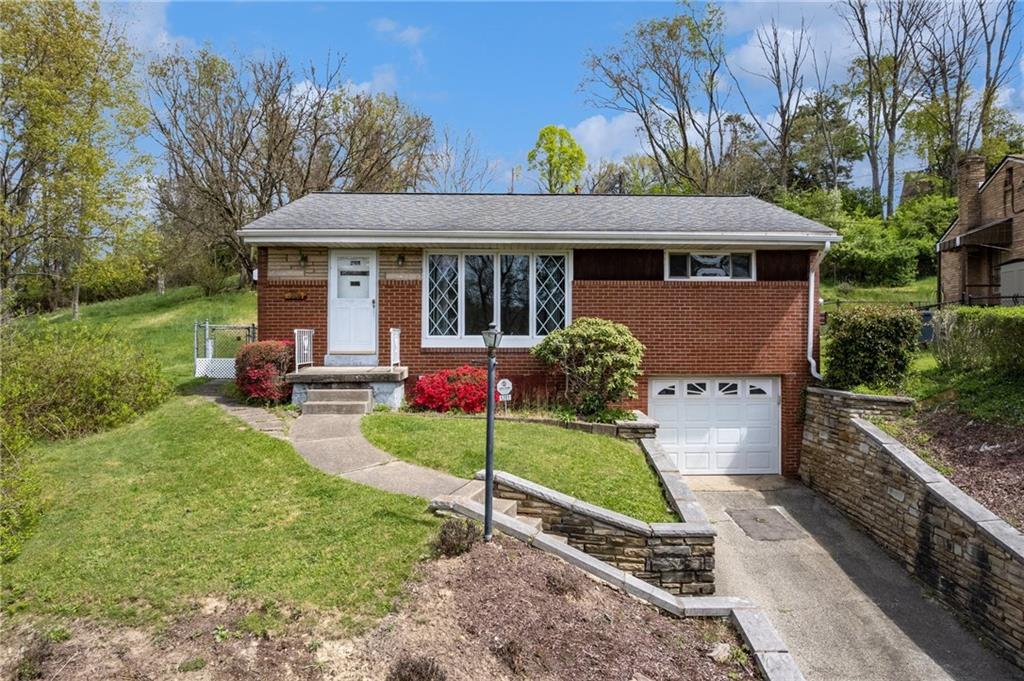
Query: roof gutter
[
  {"x": 813, "y": 363},
  {"x": 327, "y": 237}
]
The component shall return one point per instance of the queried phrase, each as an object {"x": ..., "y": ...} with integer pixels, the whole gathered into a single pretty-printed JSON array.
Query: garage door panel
[
  {"x": 731, "y": 427},
  {"x": 696, "y": 436}
]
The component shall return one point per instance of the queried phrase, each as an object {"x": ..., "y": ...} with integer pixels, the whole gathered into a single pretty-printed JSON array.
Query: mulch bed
[
  {"x": 985, "y": 460},
  {"x": 501, "y": 612}
]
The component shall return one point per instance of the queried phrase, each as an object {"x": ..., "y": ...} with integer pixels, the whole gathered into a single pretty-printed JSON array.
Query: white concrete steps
[{"x": 338, "y": 401}]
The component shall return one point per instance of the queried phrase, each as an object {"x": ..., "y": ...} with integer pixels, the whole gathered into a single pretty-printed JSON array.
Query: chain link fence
[{"x": 215, "y": 347}]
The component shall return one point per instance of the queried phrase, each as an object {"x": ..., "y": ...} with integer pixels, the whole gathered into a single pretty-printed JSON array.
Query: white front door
[
  {"x": 352, "y": 304},
  {"x": 718, "y": 425}
]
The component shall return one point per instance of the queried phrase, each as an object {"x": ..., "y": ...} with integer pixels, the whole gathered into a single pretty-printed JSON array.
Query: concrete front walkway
[
  {"x": 847, "y": 610},
  {"x": 335, "y": 445}
]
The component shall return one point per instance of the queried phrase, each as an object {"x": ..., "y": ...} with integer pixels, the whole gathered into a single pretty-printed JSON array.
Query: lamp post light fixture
[{"x": 492, "y": 339}]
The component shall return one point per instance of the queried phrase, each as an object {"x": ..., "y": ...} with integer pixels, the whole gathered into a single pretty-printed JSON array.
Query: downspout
[{"x": 810, "y": 310}]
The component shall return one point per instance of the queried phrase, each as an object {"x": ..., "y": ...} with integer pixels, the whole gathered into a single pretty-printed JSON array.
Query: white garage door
[{"x": 718, "y": 425}]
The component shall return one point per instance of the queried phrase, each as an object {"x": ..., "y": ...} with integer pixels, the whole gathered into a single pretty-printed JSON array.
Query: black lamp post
[{"x": 492, "y": 339}]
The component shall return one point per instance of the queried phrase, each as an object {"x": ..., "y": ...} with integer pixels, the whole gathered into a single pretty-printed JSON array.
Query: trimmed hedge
[
  {"x": 870, "y": 345},
  {"x": 600, "y": 359},
  {"x": 62, "y": 381},
  {"x": 260, "y": 369},
  {"x": 969, "y": 338}
]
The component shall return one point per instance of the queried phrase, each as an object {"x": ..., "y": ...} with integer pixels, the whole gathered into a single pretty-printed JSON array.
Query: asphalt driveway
[{"x": 847, "y": 610}]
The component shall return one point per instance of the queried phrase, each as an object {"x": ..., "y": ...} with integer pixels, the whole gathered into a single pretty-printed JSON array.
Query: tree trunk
[
  {"x": 161, "y": 283},
  {"x": 74, "y": 301}
]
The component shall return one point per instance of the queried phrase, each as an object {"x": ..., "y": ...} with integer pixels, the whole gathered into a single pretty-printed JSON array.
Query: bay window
[{"x": 525, "y": 294}]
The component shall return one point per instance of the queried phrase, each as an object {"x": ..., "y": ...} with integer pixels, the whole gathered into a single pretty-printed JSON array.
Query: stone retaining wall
[
  {"x": 677, "y": 557},
  {"x": 971, "y": 558}
]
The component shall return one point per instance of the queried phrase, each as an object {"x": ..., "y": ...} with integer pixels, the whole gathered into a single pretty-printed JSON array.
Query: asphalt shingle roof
[{"x": 536, "y": 213}]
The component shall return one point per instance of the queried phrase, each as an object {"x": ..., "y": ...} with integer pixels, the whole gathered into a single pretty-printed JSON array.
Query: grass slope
[
  {"x": 599, "y": 469},
  {"x": 164, "y": 323},
  {"x": 187, "y": 501},
  {"x": 920, "y": 292}
]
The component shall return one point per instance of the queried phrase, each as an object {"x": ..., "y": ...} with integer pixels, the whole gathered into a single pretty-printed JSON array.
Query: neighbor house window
[
  {"x": 709, "y": 265},
  {"x": 525, "y": 294}
]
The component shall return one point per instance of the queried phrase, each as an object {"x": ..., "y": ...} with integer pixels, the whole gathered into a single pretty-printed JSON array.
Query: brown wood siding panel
[
  {"x": 618, "y": 264},
  {"x": 783, "y": 265}
]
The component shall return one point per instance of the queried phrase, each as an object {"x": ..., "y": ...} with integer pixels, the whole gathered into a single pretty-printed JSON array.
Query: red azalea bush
[
  {"x": 260, "y": 369},
  {"x": 463, "y": 389}
]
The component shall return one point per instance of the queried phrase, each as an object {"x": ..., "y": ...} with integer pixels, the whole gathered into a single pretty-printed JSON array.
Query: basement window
[{"x": 738, "y": 265}]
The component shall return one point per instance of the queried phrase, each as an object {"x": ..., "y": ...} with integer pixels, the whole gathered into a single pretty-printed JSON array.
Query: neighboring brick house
[
  {"x": 981, "y": 255},
  {"x": 720, "y": 290}
]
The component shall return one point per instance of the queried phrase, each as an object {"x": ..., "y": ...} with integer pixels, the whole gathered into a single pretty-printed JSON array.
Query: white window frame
[
  {"x": 698, "y": 251},
  {"x": 475, "y": 340}
]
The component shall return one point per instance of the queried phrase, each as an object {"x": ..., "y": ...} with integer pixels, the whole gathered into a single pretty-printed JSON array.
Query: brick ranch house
[
  {"x": 720, "y": 290},
  {"x": 981, "y": 255}
]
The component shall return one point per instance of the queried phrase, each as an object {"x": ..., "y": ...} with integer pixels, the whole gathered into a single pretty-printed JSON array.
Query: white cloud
[
  {"x": 410, "y": 36},
  {"x": 608, "y": 138},
  {"x": 146, "y": 27},
  {"x": 383, "y": 79}
]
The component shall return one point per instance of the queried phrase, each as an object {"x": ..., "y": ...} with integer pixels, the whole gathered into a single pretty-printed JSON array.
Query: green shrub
[
  {"x": 62, "y": 381},
  {"x": 870, "y": 345},
  {"x": 872, "y": 253},
  {"x": 970, "y": 338},
  {"x": 600, "y": 359}
]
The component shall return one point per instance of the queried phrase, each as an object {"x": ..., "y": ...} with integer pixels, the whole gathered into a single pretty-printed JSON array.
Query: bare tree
[
  {"x": 456, "y": 165},
  {"x": 241, "y": 141},
  {"x": 998, "y": 22},
  {"x": 886, "y": 36},
  {"x": 668, "y": 72},
  {"x": 784, "y": 64}
]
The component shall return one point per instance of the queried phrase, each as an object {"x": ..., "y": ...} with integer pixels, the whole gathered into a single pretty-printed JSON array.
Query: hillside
[{"x": 165, "y": 323}]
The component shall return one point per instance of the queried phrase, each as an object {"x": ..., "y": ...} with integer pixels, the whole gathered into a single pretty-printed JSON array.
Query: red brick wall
[
  {"x": 284, "y": 305},
  {"x": 400, "y": 306},
  {"x": 690, "y": 327},
  {"x": 743, "y": 328}
]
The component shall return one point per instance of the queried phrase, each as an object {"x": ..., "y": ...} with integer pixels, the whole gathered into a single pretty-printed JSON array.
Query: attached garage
[{"x": 719, "y": 425}]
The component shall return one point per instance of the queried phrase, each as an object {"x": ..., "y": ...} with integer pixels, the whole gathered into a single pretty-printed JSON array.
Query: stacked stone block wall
[
  {"x": 677, "y": 557},
  {"x": 973, "y": 560}
]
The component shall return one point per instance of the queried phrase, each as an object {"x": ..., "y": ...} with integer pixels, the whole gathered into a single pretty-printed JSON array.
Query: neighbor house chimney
[{"x": 970, "y": 174}]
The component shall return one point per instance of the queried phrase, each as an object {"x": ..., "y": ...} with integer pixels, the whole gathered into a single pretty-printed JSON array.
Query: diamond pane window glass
[
  {"x": 479, "y": 292},
  {"x": 708, "y": 265},
  {"x": 741, "y": 266},
  {"x": 443, "y": 295},
  {"x": 677, "y": 265},
  {"x": 550, "y": 285},
  {"x": 515, "y": 295}
]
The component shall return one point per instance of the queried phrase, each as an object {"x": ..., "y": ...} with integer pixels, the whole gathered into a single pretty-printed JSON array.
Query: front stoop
[
  {"x": 319, "y": 387},
  {"x": 338, "y": 401}
]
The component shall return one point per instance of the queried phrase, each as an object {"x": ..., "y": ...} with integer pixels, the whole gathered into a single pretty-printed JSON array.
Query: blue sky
[{"x": 501, "y": 70}]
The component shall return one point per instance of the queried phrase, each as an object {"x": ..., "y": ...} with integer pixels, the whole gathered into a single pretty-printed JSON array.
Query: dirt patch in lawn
[
  {"x": 501, "y": 612},
  {"x": 985, "y": 460},
  {"x": 216, "y": 639}
]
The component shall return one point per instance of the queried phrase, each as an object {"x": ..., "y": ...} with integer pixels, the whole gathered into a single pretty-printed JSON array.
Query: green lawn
[
  {"x": 186, "y": 502},
  {"x": 985, "y": 395},
  {"x": 599, "y": 469},
  {"x": 164, "y": 323},
  {"x": 921, "y": 292}
]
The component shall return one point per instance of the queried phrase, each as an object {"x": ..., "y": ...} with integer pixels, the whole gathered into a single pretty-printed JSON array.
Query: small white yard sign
[{"x": 504, "y": 390}]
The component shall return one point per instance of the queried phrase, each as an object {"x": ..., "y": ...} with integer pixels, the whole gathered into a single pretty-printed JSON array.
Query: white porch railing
[
  {"x": 396, "y": 335},
  {"x": 303, "y": 347}
]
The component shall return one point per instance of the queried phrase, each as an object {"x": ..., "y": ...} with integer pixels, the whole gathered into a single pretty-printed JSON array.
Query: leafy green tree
[
  {"x": 921, "y": 222},
  {"x": 69, "y": 119},
  {"x": 557, "y": 158},
  {"x": 826, "y": 143}
]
